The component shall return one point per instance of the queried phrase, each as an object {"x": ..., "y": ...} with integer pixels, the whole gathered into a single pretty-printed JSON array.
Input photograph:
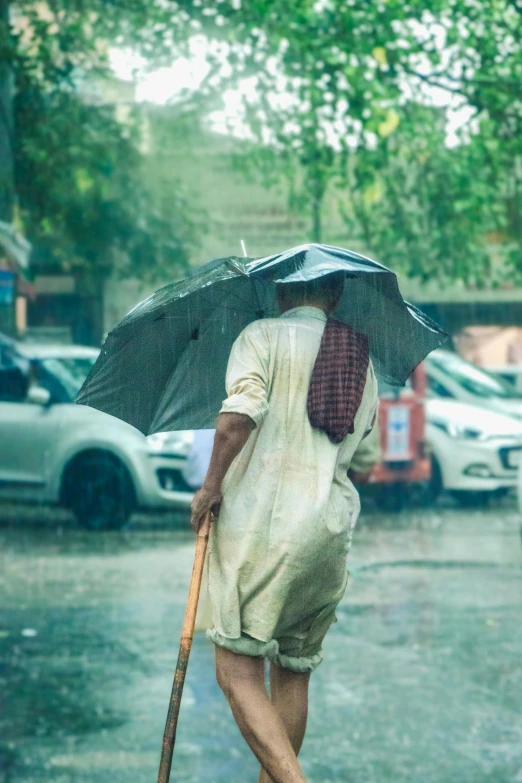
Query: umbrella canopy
[{"x": 163, "y": 367}]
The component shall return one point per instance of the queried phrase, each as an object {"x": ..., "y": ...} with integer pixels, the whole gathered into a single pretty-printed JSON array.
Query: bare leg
[
  {"x": 289, "y": 693},
  {"x": 241, "y": 678}
]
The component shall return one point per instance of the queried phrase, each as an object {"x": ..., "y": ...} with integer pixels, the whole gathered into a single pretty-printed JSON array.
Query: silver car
[{"x": 54, "y": 451}]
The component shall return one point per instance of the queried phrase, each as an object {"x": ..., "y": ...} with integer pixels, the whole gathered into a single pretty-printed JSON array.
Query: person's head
[{"x": 323, "y": 292}]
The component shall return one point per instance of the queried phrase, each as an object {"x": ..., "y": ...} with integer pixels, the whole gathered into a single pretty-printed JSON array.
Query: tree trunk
[
  {"x": 316, "y": 218},
  {"x": 6, "y": 119},
  {"x": 317, "y": 189}
]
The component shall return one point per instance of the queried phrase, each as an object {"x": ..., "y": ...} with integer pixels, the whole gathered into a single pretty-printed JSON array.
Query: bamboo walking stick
[{"x": 187, "y": 634}]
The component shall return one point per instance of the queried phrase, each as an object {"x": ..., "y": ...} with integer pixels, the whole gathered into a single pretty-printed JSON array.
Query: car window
[
  {"x": 63, "y": 377},
  {"x": 437, "y": 388},
  {"x": 471, "y": 378},
  {"x": 13, "y": 384},
  {"x": 512, "y": 377}
]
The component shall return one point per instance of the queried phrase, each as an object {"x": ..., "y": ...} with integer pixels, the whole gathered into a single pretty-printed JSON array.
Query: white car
[
  {"x": 510, "y": 373},
  {"x": 54, "y": 451},
  {"x": 519, "y": 491},
  {"x": 452, "y": 378},
  {"x": 476, "y": 452}
]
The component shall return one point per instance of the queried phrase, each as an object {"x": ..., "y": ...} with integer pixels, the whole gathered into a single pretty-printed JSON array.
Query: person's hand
[{"x": 204, "y": 500}]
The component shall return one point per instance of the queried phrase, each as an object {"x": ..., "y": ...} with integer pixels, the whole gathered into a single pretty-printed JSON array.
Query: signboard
[
  {"x": 7, "y": 287},
  {"x": 54, "y": 284},
  {"x": 398, "y": 440}
]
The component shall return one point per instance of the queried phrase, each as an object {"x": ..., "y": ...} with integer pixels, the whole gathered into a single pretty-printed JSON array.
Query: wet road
[{"x": 421, "y": 683}]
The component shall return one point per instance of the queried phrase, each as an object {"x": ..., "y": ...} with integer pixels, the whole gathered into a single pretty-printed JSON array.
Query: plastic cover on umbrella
[{"x": 163, "y": 367}]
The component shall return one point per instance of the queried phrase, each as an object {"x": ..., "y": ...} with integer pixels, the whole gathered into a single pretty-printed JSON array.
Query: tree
[
  {"x": 337, "y": 77},
  {"x": 85, "y": 203},
  {"x": 75, "y": 171},
  {"x": 478, "y": 61},
  {"x": 320, "y": 75},
  {"x": 417, "y": 205},
  {"x": 334, "y": 81},
  {"x": 6, "y": 124}
]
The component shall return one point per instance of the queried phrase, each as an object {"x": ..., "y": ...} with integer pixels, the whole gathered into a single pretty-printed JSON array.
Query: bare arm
[
  {"x": 359, "y": 477},
  {"x": 366, "y": 456},
  {"x": 232, "y": 432}
]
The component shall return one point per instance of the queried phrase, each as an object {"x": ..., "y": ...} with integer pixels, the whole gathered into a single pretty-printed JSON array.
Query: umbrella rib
[{"x": 235, "y": 295}]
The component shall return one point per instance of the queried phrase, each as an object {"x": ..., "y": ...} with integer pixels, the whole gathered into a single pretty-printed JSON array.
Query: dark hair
[{"x": 327, "y": 289}]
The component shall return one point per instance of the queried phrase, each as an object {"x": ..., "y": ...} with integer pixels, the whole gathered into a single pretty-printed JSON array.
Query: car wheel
[
  {"x": 475, "y": 499},
  {"x": 99, "y": 491},
  {"x": 432, "y": 488},
  {"x": 392, "y": 497}
]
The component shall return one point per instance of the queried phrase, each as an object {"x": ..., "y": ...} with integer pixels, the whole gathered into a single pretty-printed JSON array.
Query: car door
[{"x": 28, "y": 432}]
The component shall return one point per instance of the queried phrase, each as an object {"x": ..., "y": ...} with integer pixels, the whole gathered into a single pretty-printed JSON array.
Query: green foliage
[
  {"x": 80, "y": 184},
  {"x": 341, "y": 88},
  {"x": 321, "y": 78},
  {"x": 419, "y": 206},
  {"x": 79, "y": 173},
  {"x": 480, "y": 64},
  {"x": 342, "y": 97}
]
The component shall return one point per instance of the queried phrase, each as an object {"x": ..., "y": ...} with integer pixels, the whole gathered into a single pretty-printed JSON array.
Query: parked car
[
  {"x": 510, "y": 373},
  {"x": 476, "y": 453},
  {"x": 452, "y": 378},
  {"x": 54, "y": 451},
  {"x": 519, "y": 493}
]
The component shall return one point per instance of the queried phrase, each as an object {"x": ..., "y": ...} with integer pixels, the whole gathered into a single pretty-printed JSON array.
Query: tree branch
[{"x": 433, "y": 80}]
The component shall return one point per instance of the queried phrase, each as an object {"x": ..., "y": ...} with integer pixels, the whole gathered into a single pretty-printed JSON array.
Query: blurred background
[{"x": 139, "y": 140}]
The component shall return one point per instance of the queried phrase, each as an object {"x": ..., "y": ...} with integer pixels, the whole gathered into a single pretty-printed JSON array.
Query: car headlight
[
  {"x": 460, "y": 431},
  {"x": 178, "y": 443}
]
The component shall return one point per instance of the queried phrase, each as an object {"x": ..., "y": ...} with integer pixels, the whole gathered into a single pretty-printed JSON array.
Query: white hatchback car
[
  {"x": 450, "y": 377},
  {"x": 54, "y": 451},
  {"x": 476, "y": 452}
]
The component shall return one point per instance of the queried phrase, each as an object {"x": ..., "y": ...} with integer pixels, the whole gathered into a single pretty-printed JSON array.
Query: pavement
[{"x": 421, "y": 682}]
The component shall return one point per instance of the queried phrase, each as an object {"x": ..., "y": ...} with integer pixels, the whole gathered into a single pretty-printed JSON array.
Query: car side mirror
[{"x": 37, "y": 395}]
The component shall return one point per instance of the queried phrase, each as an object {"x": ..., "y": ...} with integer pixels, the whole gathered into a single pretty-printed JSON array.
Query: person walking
[{"x": 302, "y": 395}]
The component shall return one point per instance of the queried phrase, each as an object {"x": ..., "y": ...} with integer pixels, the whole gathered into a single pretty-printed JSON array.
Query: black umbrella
[{"x": 163, "y": 367}]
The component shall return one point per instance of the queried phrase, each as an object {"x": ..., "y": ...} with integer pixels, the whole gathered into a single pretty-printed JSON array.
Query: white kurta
[{"x": 277, "y": 565}]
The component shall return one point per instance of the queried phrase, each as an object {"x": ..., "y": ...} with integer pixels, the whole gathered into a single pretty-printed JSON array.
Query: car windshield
[
  {"x": 471, "y": 378},
  {"x": 69, "y": 371}
]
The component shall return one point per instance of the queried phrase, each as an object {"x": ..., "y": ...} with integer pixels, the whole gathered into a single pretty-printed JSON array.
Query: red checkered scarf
[{"x": 338, "y": 380}]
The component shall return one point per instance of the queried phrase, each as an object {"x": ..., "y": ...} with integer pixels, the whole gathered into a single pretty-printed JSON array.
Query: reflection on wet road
[{"x": 421, "y": 680}]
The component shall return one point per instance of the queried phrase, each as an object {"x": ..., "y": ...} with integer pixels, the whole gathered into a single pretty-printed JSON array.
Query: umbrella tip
[{"x": 243, "y": 247}]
